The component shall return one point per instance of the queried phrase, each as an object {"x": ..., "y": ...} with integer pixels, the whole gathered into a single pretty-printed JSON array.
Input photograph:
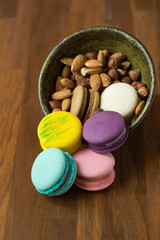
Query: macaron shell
[
  {"x": 60, "y": 129},
  {"x": 83, "y": 106},
  {"x": 93, "y": 104},
  {"x": 103, "y": 127},
  {"x": 92, "y": 165},
  {"x": 90, "y": 186},
  {"x": 48, "y": 168},
  {"x": 58, "y": 184},
  {"x": 78, "y": 101},
  {"x": 121, "y": 98}
]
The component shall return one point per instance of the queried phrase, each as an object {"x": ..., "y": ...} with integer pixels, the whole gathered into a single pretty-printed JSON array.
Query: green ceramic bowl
[{"x": 94, "y": 39}]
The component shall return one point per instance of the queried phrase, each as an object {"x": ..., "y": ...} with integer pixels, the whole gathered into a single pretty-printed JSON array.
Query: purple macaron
[{"x": 105, "y": 131}]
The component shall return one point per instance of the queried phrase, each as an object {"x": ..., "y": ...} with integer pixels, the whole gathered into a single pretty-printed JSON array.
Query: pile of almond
[{"x": 97, "y": 71}]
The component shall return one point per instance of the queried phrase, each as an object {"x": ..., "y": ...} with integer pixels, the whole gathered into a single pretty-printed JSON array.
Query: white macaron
[{"x": 121, "y": 98}]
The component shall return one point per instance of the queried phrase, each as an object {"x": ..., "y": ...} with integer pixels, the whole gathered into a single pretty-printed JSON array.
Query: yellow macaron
[{"x": 61, "y": 130}]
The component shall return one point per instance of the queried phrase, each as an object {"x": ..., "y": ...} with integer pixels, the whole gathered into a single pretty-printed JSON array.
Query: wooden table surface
[{"x": 130, "y": 208}]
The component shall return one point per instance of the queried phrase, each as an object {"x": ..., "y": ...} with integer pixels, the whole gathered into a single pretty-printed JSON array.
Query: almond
[
  {"x": 106, "y": 80},
  {"x": 121, "y": 72},
  {"x": 90, "y": 71},
  {"x": 76, "y": 73},
  {"x": 73, "y": 77},
  {"x": 95, "y": 82},
  {"x": 101, "y": 58},
  {"x": 134, "y": 74},
  {"x": 92, "y": 63},
  {"x": 66, "y": 104},
  {"x": 67, "y": 83},
  {"x": 67, "y": 61},
  {"x": 106, "y": 53},
  {"x": 56, "y": 110},
  {"x": 118, "y": 56},
  {"x": 78, "y": 63},
  {"x": 66, "y": 72},
  {"x": 54, "y": 104},
  {"x": 114, "y": 63},
  {"x": 91, "y": 55},
  {"x": 125, "y": 64},
  {"x": 60, "y": 95},
  {"x": 139, "y": 107},
  {"x": 58, "y": 84}
]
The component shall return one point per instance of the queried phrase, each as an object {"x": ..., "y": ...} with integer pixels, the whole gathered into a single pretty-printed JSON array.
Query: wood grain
[{"x": 129, "y": 209}]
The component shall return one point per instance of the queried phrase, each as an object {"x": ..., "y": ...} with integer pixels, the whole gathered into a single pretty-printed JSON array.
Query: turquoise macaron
[{"x": 53, "y": 172}]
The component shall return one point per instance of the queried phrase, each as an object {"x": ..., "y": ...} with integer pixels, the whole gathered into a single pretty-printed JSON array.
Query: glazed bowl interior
[{"x": 94, "y": 39}]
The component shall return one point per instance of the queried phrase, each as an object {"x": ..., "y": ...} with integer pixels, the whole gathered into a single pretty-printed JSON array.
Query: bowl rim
[{"x": 131, "y": 39}]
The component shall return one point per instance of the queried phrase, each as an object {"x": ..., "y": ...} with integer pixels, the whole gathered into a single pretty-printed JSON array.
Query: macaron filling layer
[
  {"x": 112, "y": 145},
  {"x": 93, "y": 181},
  {"x": 97, "y": 184},
  {"x": 118, "y": 139}
]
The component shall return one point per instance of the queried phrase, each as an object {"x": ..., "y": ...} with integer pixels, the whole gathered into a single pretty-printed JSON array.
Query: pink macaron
[{"x": 94, "y": 171}]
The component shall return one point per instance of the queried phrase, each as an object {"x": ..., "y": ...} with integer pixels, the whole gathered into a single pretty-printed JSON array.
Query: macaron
[
  {"x": 78, "y": 101},
  {"x": 92, "y": 105},
  {"x": 61, "y": 130},
  {"x": 94, "y": 171},
  {"x": 121, "y": 98},
  {"x": 84, "y": 102},
  {"x": 53, "y": 172},
  {"x": 105, "y": 131}
]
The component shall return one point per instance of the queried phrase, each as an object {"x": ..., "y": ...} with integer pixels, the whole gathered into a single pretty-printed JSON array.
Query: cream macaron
[{"x": 121, "y": 98}]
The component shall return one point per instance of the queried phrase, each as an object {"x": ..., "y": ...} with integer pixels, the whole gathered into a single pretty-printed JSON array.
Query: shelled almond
[
  {"x": 66, "y": 104},
  {"x": 67, "y": 61},
  {"x": 54, "y": 104},
  {"x": 66, "y": 72},
  {"x": 60, "y": 95},
  {"x": 65, "y": 82},
  {"x": 106, "y": 80},
  {"x": 95, "y": 82}
]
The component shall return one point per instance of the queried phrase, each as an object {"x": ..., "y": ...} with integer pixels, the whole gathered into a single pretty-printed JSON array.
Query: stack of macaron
[{"x": 91, "y": 168}]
